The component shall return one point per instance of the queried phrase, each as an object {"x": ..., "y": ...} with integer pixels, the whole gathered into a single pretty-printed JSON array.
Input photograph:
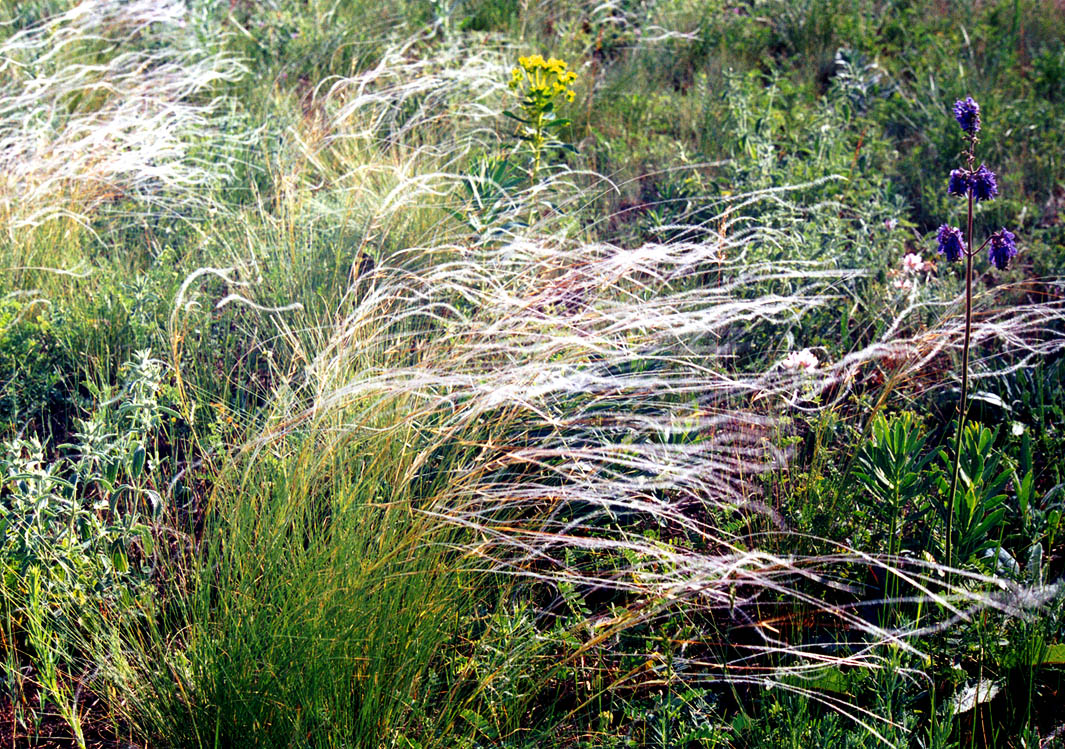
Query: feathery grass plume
[
  {"x": 528, "y": 406},
  {"x": 613, "y": 406},
  {"x": 595, "y": 388},
  {"x": 87, "y": 122},
  {"x": 405, "y": 101}
]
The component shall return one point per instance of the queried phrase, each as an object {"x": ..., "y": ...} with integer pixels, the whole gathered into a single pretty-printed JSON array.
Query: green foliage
[
  {"x": 490, "y": 194},
  {"x": 225, "y": 562},
  {"x": 324, "y": 607},
  {"x": 32, "y": 365},
  {"x": 78, "y": 534},
  {"x": 73, "y": 523},
  {"x": 540, "y": 84},
  {"x": 980, "y": 509},
  {"x": 294, "y": 45},
  {"x": 891, "y": 470}
]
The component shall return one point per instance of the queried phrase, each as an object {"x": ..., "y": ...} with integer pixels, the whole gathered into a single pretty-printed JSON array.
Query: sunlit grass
[{"x": 453, "y": 454}]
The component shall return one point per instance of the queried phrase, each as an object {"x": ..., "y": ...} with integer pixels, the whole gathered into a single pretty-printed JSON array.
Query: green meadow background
[{"x": 337, "y": 410}]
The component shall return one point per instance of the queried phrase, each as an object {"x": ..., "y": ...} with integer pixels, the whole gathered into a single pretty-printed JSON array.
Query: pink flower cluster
[{"x": 912, "y": 265}]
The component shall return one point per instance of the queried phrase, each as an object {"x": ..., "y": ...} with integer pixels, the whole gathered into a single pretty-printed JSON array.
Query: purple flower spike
[
  {"x": 967, "y": 113},
  {"x": 958, "y": 183},
  {"x": 983, "y": 184},
  {"x": 950, "y": 241},
  {"x": 1003, "y": 248}
]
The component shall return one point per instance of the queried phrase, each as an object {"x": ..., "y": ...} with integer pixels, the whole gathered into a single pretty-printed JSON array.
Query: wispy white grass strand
[
  {"x": 623, "y": 394},
  {"x": 94, "y": 110}
]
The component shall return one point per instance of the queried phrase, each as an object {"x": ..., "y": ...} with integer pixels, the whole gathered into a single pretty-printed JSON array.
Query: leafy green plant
[
  {"x": 540, "y": 84},
  {"x": 78, "y": 543},
  {"x": 77, "y": 519},
  {"x": 890, "y": 467},
  {"x": 29, "y": 345},
  {"x": 490, "y": 191},
  {"x": 975, "y": 519}
]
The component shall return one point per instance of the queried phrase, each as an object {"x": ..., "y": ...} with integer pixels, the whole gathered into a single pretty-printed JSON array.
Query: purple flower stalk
[
  {"x": 1003, "y": 248},
  {"x": 951, "y": 242},
  {"x": 978, "y": 184},
  {"x": 967, "y": 113}
]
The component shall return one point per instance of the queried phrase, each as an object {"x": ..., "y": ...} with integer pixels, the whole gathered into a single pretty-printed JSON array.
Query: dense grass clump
[{"x": 530, "y": 374}]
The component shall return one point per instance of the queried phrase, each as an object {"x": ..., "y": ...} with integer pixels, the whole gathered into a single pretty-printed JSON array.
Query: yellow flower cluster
[{"x": 542, "y": 78}]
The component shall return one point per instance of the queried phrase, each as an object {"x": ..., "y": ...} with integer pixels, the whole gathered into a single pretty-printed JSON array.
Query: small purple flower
[
  {"x": 959, "y": 182},
  {"x": 983, "y": 184},
  {"x": 967, "y": 113},
  {"x": 1003, "y": 248},
  {"x": 950, "y": 241}
]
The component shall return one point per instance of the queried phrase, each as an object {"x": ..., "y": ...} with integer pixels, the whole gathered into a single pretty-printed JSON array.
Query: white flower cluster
[{"x": 804, "y": 360}]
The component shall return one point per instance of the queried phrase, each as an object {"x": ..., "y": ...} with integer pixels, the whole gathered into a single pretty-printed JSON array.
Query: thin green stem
[
  {"x": 962, "y": 403},
  {"x": 538, "y": 147},
  {"x": 538, "y": 138},
  {"x": 890, "y": 580}
]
